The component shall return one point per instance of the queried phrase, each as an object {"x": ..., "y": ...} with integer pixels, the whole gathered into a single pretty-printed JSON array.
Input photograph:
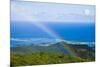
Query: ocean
[{"x": 80, "y": 32}]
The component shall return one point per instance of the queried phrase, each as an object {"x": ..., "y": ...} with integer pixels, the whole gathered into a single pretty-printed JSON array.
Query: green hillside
[{"x": 56, "y": 53}]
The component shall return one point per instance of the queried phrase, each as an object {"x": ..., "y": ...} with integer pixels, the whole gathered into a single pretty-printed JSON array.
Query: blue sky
[{"x": 51, "y": 12}]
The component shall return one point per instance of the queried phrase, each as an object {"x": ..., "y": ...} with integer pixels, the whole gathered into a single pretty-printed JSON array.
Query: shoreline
[{"x": 50, "y": 41}]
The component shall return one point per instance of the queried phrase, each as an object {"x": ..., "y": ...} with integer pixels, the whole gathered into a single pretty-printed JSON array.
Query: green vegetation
[
  {"x": 57, "y": 53},
  {"x": 40, "y": 58}
]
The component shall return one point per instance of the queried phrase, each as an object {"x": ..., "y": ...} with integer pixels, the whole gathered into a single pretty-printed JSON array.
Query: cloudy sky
[{"x": 51, "y": 12}]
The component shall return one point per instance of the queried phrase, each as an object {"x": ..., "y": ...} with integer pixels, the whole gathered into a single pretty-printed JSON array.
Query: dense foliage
[
  {"x": 54, "y": 54},
  {"x": 43, "y": 58}
]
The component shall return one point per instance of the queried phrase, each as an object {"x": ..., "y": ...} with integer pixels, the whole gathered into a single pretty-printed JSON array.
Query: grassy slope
[{"x": 45, "y": 56}]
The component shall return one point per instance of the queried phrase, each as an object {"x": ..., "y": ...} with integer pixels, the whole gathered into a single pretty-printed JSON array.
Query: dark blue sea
[
  {"x": 77, "y": 32},
  {"x": 84, "y": 32}
]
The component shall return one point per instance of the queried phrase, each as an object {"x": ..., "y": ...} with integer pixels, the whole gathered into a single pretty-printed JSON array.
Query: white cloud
[{"x": 45, "y": 12}]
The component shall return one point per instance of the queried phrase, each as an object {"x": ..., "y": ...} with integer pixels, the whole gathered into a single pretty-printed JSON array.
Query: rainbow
[{"x": 47, "y": 30}]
